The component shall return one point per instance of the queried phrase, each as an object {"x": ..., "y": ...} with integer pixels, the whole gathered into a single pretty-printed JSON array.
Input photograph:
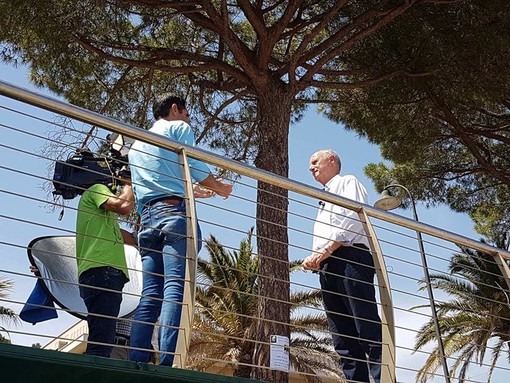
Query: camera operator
[{"x": 102, "y": 268}]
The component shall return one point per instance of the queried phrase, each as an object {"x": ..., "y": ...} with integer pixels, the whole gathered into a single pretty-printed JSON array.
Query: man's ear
[{"x": 174, "y": 109}]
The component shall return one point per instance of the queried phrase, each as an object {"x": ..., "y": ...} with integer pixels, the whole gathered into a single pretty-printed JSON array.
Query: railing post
[
  {"x": 503, "y": 265},
  {"x": 188, "y": 301},
  {"x": 388, "y": 360}
]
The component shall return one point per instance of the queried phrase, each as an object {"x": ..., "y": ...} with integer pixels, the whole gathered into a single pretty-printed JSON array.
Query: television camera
[{"x": 84, "y": 169}]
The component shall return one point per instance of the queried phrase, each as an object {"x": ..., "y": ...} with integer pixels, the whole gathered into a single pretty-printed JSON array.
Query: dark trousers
[
  {"x": 101, "y": 302},
  {"x": 348, "y": 293}
]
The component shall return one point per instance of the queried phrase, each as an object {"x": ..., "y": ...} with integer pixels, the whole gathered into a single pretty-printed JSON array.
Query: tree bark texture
[{"x": 272, "y": 238}]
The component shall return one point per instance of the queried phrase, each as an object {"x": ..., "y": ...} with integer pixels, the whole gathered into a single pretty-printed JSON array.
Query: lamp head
[{"x": 387, "y": 201}]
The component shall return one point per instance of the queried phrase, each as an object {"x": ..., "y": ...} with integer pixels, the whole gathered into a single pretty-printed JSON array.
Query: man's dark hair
[{"x": 164, "y": 102}]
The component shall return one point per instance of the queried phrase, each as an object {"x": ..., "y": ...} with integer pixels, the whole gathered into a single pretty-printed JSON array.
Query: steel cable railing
[{"x": 230, "y": 223}]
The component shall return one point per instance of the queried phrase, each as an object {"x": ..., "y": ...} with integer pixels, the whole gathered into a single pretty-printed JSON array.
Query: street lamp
[{"x": 389, "y": 202}]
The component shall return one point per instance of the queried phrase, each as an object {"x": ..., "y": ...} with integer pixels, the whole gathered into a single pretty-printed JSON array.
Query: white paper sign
[{"x": 279, "y": 353}]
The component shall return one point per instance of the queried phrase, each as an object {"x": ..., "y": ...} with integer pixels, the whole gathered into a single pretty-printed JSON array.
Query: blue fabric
[
  {"x": 32, "y": 311},
  {"x": 162, "y": 241},
  {"x": 348, "y": 294},
  {"x": 102, "y": 302},
  {"x": 156, "y": 172}
]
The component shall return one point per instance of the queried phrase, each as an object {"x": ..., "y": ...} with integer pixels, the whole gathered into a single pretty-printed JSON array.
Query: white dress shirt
[{"x": 337, "y": 223}]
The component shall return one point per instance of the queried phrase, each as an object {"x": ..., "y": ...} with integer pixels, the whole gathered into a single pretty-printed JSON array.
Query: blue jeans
[
  {"x": 348, "y": 294},
  {"x": 162, "y": 240},
  {"x": 101, "y": 302}
]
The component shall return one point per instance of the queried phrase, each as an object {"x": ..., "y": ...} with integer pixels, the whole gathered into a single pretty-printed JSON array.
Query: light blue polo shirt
[{"x": 156, "y": 172}]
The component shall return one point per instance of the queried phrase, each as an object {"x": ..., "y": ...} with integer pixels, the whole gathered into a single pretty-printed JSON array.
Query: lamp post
[{"x": 389, "y": 202}]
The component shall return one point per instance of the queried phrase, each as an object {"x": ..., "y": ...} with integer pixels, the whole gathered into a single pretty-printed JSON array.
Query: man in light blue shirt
[{"x": 157, "y": 179}]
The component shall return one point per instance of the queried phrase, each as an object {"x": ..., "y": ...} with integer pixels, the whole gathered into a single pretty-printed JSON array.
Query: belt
[
  {"x": 173, "y": 200},
  {"x": 121, "y": 341}
]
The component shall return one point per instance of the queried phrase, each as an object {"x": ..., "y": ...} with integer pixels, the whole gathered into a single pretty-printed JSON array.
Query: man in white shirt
[{"x": 342, "y": 255}]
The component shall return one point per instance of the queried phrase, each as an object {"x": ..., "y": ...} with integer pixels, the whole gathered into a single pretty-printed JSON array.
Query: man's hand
[
  {"x": 313, "y": 261},
  {"x": 224, "y": 189},
  {"x": 217, "y": 186},
  {"x": 200, "y": 192}
]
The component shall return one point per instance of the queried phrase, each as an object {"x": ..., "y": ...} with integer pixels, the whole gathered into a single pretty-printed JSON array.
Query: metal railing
[{"x": 403, "y": 305}]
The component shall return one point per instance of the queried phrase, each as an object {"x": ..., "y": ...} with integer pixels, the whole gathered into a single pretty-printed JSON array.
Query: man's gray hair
[{"x": 331, "y": 152}]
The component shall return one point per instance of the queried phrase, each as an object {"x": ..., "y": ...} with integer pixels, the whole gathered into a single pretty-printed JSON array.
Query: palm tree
[
  {"x": 224, "y": 325},
  {"x": 6, "y": 314},
  {"x": 475, "y": 320}
]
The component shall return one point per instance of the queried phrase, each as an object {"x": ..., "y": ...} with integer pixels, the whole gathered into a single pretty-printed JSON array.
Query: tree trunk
[
  {"x": 272, "y": 238},
  {"x": 246, "y": 354}
]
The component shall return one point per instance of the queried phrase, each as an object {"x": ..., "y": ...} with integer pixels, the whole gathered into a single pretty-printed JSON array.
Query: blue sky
[{"x": 312, "y": 133}]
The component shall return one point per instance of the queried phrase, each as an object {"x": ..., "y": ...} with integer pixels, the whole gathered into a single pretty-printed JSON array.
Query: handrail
[{"x": 86, "y": 116}]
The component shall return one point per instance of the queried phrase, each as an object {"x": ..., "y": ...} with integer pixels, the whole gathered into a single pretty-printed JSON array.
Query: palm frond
[
  {"x": 226, "y": 307},
  {"x": 7, "y": 315},
  {"x": 477, "y": 314}
]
